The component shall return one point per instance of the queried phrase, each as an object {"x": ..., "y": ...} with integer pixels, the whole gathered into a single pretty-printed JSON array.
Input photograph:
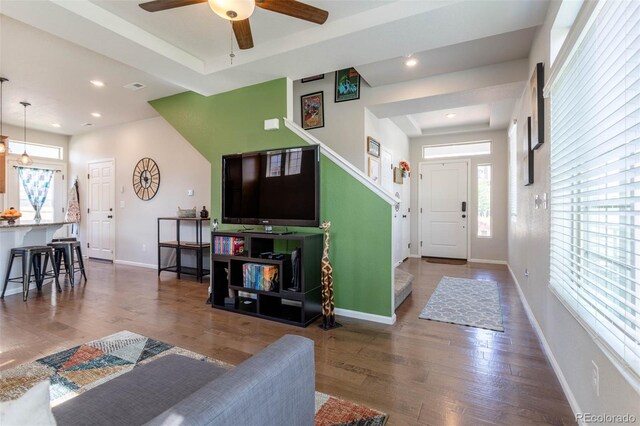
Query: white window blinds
[{"x": 595, "y": 181}]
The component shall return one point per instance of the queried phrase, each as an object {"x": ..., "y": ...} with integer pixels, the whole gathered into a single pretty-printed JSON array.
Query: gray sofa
[{"x": 274, "y": 387}]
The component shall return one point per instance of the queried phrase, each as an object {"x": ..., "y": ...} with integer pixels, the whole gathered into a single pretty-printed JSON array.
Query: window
[
  {"x": 513, "y": 171},
  {"x": 484, "y": 200},
  {"x": 595, "y": 182},
  {"x": 467, "y": 149},
  {"x": 28, "y": 213},
  {"x": 36, "y": 150}
]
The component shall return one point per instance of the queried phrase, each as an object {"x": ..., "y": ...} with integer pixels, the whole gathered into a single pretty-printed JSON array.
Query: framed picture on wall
[
  {"x": 347, "y": 85},
  {"x": 373, "y": 147},
  {"x": 528, "y": 170},
  {"x": 312, "y": 110},
  {"x": 312, "y": 78},
  {"x": 537, "y": 106},
  {"x": 374, "y": 170}
]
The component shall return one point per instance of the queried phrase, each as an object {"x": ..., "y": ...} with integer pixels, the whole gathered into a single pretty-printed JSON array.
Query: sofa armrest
[{"x": 274, "y": 387}]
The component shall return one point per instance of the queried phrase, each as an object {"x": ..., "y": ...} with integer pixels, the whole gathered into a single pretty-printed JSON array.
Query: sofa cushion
[
  {"x": 275, "y": 387},
  {"x": 139, "y": 395}
]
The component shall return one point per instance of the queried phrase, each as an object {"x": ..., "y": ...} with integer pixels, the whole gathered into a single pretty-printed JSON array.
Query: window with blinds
[{"x": 595, "y": 181}]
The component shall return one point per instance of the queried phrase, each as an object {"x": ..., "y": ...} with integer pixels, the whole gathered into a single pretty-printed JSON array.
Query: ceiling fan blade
[
  {"x": 158, "y": 5},
  {"x": 295, "y": 9},
  {"x": 242, "y": 30}
]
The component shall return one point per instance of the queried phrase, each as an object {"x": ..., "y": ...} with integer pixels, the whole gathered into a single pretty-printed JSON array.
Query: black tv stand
[
  {"x": 284, "y": 303},
  {"x": 253, "y": 231}
]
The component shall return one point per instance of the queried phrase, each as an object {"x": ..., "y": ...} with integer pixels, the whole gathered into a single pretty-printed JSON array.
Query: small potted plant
[{"x": 405, "y": 168}]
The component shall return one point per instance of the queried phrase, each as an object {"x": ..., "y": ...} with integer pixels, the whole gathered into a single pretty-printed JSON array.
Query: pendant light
[
  {"x": 4, "y": 143},
  {"x": 24, "y": 159}
]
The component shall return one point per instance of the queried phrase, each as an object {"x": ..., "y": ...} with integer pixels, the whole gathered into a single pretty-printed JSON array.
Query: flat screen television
[{"x": 277, "y": 187}]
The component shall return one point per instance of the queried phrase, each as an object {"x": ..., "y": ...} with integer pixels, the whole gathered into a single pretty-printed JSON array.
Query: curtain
[
  {"x": 36, "y": 184},
  {"x": 73, "y": 207}
]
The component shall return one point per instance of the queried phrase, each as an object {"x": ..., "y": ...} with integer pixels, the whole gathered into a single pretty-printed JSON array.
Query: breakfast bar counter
[{"x": 22, "y": 233}]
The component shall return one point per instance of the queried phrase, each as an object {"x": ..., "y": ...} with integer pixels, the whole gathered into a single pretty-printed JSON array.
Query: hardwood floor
[{"x": 419, "y": 372}]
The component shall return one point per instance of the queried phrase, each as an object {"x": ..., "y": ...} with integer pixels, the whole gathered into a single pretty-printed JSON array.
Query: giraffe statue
[{"x": 328, "y": 305}]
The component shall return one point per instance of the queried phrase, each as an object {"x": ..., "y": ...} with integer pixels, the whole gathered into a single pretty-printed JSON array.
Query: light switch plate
[{"x": 190, "y": 192}]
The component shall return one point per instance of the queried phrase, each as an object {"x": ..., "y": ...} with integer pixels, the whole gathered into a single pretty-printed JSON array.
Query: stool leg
[
  {"x": 68, "y": 254},
  {"x": 58, "y": 259},
  {"x": 36, "y": 261},
  {"x": 6, "y": 279},
  {"x": 56, "y": 271},
  {"x": 81, "y": 262},
  {"x": 26, "y": 275}
]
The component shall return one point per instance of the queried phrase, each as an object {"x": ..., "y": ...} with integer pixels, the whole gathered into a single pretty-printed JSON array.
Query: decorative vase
[{"x": 204, "y": 213}]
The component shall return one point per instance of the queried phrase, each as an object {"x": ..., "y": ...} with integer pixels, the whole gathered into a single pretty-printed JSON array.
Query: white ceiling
[{"x": 188, "y": 49}]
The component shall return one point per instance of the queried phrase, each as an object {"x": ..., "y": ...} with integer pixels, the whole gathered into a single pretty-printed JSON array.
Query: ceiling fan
[{"x": 239, "y": 11}]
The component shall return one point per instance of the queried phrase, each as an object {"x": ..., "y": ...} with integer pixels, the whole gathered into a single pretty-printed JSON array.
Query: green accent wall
[{"x": 232, "y": 122}]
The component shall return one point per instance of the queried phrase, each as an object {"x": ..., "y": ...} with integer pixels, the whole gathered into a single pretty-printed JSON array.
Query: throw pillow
[{"x": 32, "y": 408}]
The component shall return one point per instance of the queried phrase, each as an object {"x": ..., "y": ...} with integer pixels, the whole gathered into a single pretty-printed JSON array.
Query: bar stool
[
  {"x": 32, "y": 260},
  {"x": 69, "y": 250}
]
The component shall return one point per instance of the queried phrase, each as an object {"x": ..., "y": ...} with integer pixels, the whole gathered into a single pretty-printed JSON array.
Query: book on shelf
[
  {"x": 228, "y": 245},
  {"x": 260, "y": 277}
]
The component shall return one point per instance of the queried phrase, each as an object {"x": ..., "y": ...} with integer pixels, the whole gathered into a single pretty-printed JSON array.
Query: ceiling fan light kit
[{"x": 233, "y": 10}]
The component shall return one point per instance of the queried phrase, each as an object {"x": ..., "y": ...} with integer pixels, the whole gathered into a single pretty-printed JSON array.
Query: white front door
[
  {"x": 444, "y": 209},
  {"x": 101, "y": 203}
]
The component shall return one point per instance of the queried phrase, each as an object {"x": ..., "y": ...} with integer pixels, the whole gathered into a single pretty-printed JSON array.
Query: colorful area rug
[
  {"x": 475, "y": 303},
  {"x": 76, "y": 370}
]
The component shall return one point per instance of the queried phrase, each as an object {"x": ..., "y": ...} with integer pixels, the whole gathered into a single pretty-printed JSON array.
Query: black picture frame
[
  {"x": 536, "y": 84},
  {"x": 347, "y": 85},
  {"x": 312, "y": 78},
  {"x": 312, "y": 110},
  {"x": 528, "y": 179}
]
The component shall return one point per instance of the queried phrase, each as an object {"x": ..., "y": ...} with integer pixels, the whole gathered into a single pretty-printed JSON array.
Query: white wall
[
  {"x": 181, "y": 168},
  {"x": 494, "y": 248},
  {"x": 343, "y": 130},
  {"x": 571, "y": 346}
]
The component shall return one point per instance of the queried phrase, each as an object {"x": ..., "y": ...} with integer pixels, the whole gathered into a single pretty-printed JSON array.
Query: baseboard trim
[
  {"x": 138, "y": 264},
  {"x": 395, "y": 265},
  {"x": 367, "y": 317},
  {"x": 493, "y": 262},
  {"x": 18, "y": 290},
  {"x": 547, "y": 349},
  {"x": 415, "y": 256}
]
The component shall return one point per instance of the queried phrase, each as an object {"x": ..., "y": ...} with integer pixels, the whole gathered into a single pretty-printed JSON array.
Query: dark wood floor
[{"x": 420, "y": 372}]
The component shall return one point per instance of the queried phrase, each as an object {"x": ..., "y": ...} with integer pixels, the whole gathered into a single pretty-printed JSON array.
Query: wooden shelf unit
[
  {"x": 201, "y": 248},
  {"x": 299, "y": 308}
]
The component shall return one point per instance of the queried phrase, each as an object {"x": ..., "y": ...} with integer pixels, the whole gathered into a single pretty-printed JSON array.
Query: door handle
[
  {"x": 464, "y": 216},
  {"x": 110, "y": 217},
  {"x": 464, "y": 206}
]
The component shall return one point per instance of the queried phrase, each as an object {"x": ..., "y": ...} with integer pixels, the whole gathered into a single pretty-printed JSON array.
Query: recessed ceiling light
[
  {"x": 411, "y": 62},
  {"x": 450, "y": 115},
  {"x": 96, "y": 114},
  {"x": 97, "y": 83},
  {"x": 56, "y": 125}
]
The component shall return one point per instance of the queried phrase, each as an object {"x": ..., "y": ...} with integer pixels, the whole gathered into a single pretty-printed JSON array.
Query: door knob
[
  {"x": 110, "y": 217},
  {"x": 404, "y": 216},
  {"x": 464, "y": 215}
]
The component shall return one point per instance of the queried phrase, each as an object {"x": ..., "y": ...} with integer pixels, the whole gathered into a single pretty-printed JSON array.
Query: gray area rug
[{"x": 475, "y": 303}]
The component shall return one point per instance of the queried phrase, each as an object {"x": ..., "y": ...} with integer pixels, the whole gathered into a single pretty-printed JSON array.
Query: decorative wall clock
[{"x": 146, "y": 179}]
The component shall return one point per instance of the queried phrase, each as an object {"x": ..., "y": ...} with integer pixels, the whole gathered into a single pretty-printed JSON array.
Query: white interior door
[
  {"x": 405, "y": 209},
  {"x": 444, "y": 209},
  {"x": 101, "y": 202}
]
